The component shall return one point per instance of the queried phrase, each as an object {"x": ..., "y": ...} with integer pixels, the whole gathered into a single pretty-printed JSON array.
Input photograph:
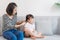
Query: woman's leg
[
  {"x": 19, "y": 35},
  {"x": 9, "y": 35}
]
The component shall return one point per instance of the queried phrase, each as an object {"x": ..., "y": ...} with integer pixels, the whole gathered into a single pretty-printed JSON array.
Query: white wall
[{"x": 35, "y": 7}]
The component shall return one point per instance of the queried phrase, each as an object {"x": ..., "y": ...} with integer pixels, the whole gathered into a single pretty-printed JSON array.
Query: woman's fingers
[{"x": 23, "y": 23}]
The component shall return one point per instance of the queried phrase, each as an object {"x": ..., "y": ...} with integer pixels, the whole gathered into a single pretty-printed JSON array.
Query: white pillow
[{"x": 43, "y": 25}]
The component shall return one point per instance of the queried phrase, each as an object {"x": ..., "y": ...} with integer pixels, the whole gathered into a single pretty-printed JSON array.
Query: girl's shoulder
[{"x": 27, "y": 24}]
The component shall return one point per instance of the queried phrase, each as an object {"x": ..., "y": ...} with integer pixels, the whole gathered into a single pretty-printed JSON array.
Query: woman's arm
[
  {"x": 19, "y": 25},
  {"x": 11, "y": 24},
  {"x": 20, "y": 22},
  {"x": 7, "y": 22}
]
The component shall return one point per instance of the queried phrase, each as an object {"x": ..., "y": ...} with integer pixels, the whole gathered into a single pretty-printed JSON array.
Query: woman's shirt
[
  {"x": 9, "y": 23},
  {"x": 29, "y": 26}
]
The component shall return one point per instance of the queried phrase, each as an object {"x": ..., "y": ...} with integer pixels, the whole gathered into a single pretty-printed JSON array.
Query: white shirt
[{"x": 29, "y": 26}]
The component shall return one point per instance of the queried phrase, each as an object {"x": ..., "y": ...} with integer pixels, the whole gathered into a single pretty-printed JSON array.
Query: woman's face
[{"x": 14, "y": 10}]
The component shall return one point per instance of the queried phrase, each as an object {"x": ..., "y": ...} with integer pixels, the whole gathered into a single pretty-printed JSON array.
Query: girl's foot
[
  {"x": 33, "y": 38},
  {"x": 42, "y": 36}
]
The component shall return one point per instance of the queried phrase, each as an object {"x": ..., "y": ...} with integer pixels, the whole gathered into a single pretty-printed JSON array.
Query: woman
[{"x": 10, "y": 31}]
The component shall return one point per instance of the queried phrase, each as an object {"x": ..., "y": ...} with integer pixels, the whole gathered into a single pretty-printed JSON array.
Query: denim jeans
[{"x": 13, "y": 35}]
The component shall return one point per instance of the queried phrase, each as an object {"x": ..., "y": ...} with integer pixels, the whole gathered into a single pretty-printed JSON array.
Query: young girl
[{"x": 30, "y": 27}]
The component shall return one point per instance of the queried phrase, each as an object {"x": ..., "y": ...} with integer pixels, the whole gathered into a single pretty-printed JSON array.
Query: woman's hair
[
  {"x": 10, "y": 8},
  {"x": 29, "y": 16}
]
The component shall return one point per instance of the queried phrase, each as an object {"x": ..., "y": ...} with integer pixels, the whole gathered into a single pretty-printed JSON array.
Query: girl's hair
[
  {"x": 10, "y": 8},
  {"x": 29, "y": 16}
]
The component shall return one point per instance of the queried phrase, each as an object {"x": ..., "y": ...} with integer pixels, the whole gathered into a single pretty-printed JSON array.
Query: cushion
[
  {"x": 0, "y": 25},
  {"x": 43, "y": 25}
]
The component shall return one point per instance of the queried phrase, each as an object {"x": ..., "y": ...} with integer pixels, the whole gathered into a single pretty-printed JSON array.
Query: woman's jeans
[{"x": 13, "y": 35}]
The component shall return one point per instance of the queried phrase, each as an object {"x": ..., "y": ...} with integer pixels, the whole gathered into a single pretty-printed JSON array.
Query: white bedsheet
[{"x": 55, "y": 37}]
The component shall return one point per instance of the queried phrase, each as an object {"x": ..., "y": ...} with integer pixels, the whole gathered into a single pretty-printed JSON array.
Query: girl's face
[
  {"x": 31, "y": 20},
  {"x": 14, "y": 10}
]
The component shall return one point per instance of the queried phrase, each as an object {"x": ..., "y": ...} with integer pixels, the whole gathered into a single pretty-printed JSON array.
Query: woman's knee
[
  {"x": 9, "y": 35},
  {"x": 21, "y": 33},
  {"x": 14, "y": 38}
]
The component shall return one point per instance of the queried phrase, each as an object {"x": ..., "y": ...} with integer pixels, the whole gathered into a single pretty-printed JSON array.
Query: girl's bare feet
[
  {"x": 42, "y": 36},
  {"x": 33, "y": 38}
]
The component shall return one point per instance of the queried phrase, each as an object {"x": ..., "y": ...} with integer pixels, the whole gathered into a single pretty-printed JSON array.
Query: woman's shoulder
[{"x": 4, "y": 15}]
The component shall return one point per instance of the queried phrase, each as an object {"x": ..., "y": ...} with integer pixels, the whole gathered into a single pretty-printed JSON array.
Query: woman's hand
[
  {"x": 20, "y": 24},
  {"x": 23, "y": 23}
]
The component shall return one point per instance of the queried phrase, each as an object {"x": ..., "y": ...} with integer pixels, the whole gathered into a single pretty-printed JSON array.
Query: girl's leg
[
  {"x": 9, "y": 35},
  {"x": 34, "y": 34},
  {"x": 39, "y": 35},
  {"x": 28, "y": 32}
]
